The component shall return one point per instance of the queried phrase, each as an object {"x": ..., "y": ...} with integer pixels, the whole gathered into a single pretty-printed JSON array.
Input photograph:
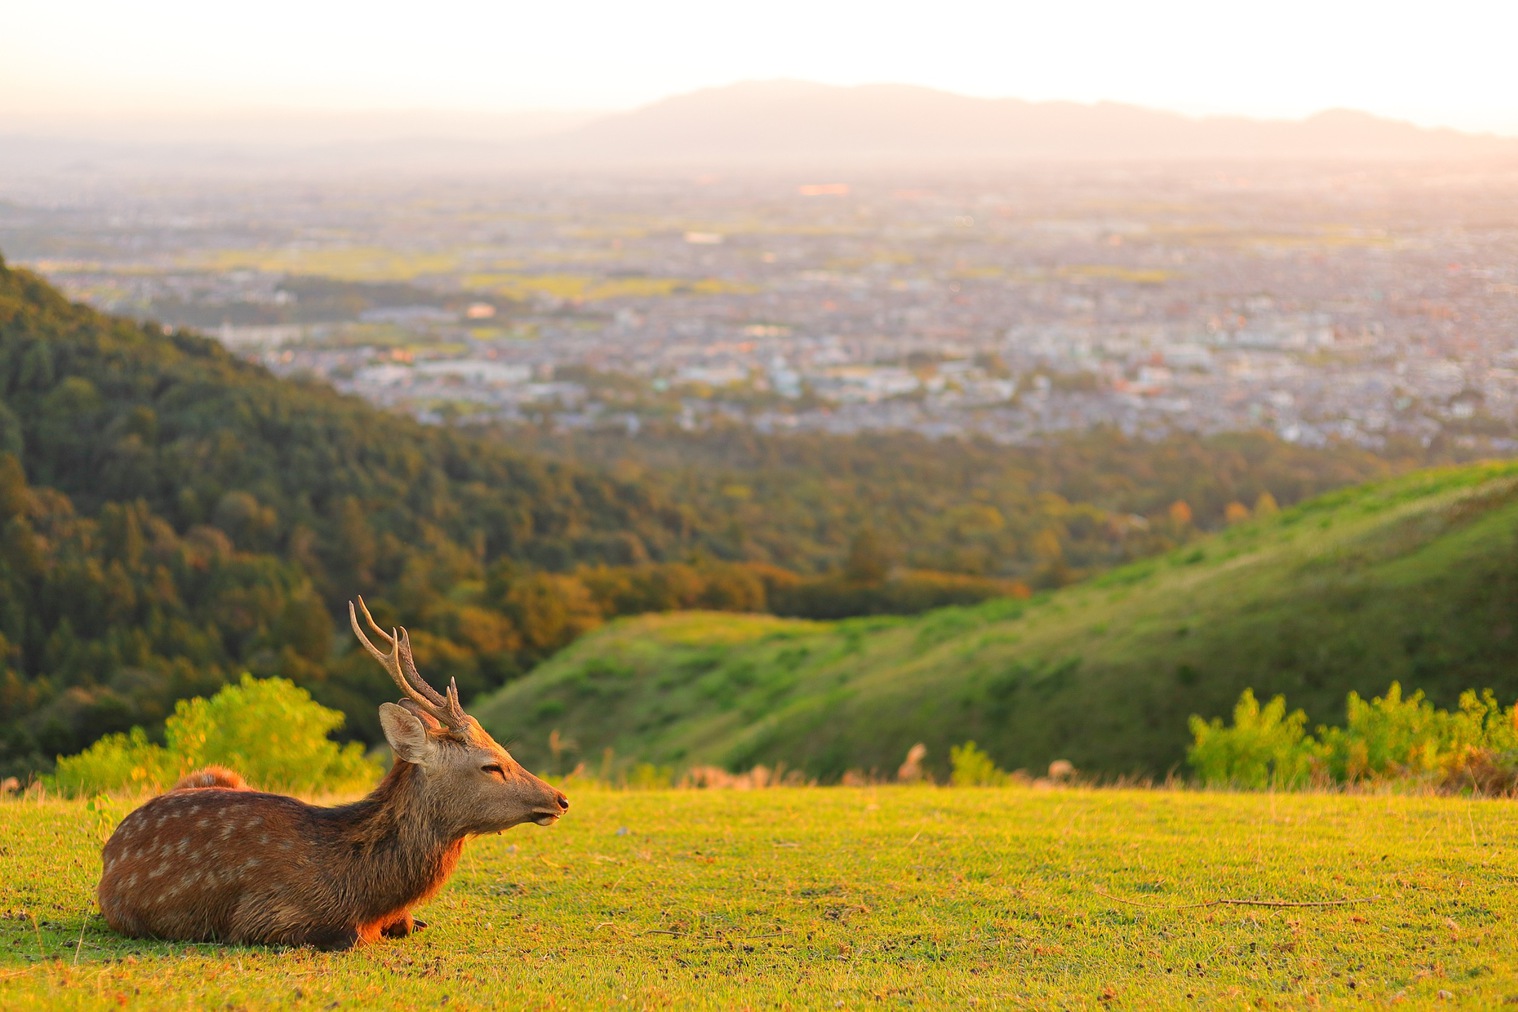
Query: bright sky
[{"x": 1450, "y": 62}]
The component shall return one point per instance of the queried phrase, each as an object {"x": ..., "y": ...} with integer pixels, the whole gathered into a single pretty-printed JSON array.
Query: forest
[
  {"x": 1046, "y": 514},
  {"x": 171, "y": 516}
]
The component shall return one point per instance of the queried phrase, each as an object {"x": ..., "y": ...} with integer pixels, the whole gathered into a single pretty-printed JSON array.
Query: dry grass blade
[{"x": 1224, "y": 901}]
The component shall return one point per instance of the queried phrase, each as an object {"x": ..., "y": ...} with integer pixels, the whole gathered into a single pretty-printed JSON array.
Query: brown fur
[
  {"x": 213, "y": 860},
  {"x": 211, "y": 776}
]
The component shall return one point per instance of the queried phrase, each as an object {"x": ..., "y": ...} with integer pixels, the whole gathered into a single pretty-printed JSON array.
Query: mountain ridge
[
  {"x": 778, "y": 124},
  {"x": 781, "y": 121}
]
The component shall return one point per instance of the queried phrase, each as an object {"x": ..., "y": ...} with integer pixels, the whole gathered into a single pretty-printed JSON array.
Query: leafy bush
[
  {"x": 268, "y": 730},
  {"x": 973, "y": 768},
  {"x": 117, "y": 762},
  {"x": 1391, "y": 739},
  {"x": 1265, "y": 747}
]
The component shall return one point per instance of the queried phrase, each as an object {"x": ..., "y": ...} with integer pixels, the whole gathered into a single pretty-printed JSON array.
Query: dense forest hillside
[
  {"x": 1045, "y": 514},
  {"x": 1414, "y": 579},
  {"x": 171, "y": 515}
]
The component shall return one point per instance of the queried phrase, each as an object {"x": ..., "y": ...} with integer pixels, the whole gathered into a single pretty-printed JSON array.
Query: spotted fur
[{"x": 216, "y": 861}]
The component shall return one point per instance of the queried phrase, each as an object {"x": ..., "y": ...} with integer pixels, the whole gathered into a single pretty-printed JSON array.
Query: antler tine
[
  {"x": 408, "y": 664},
  {"x": 389, "y": 640},
  {"x": 455, "y": 711},
  {"x": 414, "y": 676},
  {"x": 391, "y": 662}
]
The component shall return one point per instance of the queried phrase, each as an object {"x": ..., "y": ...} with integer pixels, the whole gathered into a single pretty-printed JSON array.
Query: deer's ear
[{"x": 406, "y": 734}]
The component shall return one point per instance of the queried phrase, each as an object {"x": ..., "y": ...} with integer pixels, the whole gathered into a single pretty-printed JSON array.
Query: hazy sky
[{"x": 1450, "y": 62}]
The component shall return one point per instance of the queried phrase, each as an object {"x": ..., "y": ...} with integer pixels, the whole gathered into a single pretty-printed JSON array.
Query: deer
[{"x": 214, "y": 860}]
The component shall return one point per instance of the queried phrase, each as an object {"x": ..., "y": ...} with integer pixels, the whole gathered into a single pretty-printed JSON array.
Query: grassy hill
[{"x": 1413, "y": 579}]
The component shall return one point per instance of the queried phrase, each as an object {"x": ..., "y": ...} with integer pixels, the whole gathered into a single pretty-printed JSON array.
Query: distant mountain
[
  {"x": 763, "y": 124},
  {"x": 778, "y": 122}
]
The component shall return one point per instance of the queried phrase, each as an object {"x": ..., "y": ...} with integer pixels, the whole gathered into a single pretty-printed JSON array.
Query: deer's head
[{"x": 471, "y": 782}]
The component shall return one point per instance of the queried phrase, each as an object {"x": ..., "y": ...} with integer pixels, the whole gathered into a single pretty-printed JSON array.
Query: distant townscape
[{"x": 1321, "y": 304}]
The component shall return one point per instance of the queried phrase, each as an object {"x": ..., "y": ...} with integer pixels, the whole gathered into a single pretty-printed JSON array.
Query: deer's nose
[{"x": 563, "y": 803}]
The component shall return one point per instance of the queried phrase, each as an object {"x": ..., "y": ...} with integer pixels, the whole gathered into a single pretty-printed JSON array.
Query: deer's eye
[{"x": 494, "y": 768}]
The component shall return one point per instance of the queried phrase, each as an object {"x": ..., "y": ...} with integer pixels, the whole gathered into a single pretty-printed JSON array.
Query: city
[{"x": 1322, "y": 303}]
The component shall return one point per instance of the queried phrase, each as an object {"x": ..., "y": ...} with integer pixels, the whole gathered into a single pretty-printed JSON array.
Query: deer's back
[{"x": 217, "y": 864}]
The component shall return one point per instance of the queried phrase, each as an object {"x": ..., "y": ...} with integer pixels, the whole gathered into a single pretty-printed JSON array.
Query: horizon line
[{"x": 67, "y": 123}]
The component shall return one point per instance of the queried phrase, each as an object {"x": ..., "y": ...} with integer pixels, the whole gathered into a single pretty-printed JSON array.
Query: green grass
[
  {"x": 1414, "y": 580},
  {"x": 854, "y": 897}
]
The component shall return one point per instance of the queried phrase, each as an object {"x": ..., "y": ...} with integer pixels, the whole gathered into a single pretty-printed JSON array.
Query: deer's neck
[{"x": 395, "y": 849}]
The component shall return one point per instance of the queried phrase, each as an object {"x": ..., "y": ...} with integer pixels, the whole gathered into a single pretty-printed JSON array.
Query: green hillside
[
  {"x": 171, "y": 516},
  {"x": 1413, "y": 579}
]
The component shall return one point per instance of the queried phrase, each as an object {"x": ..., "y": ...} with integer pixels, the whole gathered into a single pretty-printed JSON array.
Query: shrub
[
  {"x": 1265, "y": 747},
  {"x": 117, "y": 762},
  {"x": 970, "y": 767},
  {"x": 268, "y": 730},
  {"x": 1391, "y": 739}
]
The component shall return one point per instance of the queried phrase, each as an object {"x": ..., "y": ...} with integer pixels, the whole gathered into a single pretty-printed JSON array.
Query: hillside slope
[
  {"x": 1413, "y": 579},
  {"x": 171, "y": 515},
  {"x": 105, "y": 410}
]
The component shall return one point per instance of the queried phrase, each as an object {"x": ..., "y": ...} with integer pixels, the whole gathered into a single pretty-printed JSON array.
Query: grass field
[{"x": 854, "y": 897}]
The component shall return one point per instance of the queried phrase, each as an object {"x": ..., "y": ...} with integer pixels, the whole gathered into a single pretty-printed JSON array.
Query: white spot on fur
[
  {"x": 131, "y": 881},
  {"x": 263, "y": 839},
  {"x": 226, "y": 830},
  {"x": 251, "y": 863}
]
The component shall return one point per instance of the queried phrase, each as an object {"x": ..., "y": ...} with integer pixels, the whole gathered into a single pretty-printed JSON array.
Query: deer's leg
[
  {"x": 334, "y": 939},
  {"x": 402, "y": 926}
]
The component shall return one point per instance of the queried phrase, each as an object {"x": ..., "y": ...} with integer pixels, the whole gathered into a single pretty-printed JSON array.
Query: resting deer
[{"x": 213, "y": 860}]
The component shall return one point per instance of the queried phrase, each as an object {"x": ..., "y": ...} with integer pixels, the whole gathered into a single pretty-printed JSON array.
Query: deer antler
[
  {"x": 398, "y": 663},
  {"x": 408, "y": 664}
]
